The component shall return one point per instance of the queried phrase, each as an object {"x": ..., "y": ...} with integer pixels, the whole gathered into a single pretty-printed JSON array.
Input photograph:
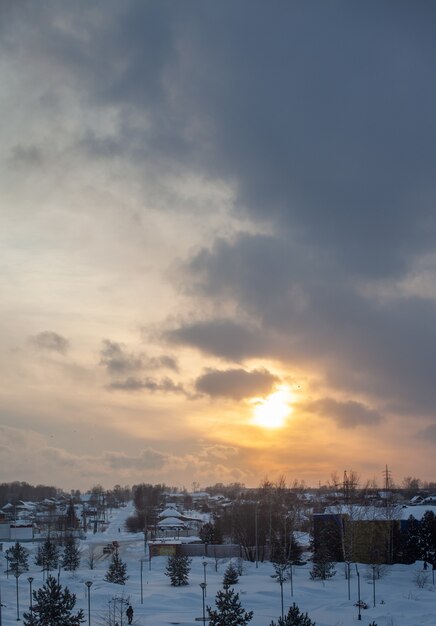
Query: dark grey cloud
[
  {"x": 347, "y": 414},
  {"x": 236, "y": 383},
  {"x": 163, "y": 361},
  {"x": 164, "y": 385},
  {"x": 326, "y": 122},
  {"x": 50, "y": 341},
  {"x": 225, "y": 338},
  {"x": 118, "y": 361}
]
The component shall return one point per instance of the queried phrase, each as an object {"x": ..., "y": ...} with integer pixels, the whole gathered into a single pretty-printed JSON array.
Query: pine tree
[
  {"x": 229, "y": 611},
  {"x": 117, "y": 571},
  {"x": 17, "y": 558},
  {"x": 322, "y": 569},
  {"x": 71, "y": 519},
  {"x": 282, "y": 571},
  {"x": 178, "y": 568},
  {"x": 47, "y": 555},
  {"x": 53, "y": 606},
  {"x": 231, "y": 576},
  {"x": 323, "y": 566},
  {"x": 294, "y": 618},
  {"x": 412, "y": 549},
  {"x": 427, "y": 536},
  {"x": 71, "y": 556},
  {"x": 210, "y": 533}
]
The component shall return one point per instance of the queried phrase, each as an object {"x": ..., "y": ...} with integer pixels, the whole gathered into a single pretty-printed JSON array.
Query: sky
[{"x": 217, "y": 241}]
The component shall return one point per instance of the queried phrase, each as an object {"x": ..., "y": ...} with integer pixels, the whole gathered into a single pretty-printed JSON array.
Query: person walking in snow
[{"x": 129, "y": 613}]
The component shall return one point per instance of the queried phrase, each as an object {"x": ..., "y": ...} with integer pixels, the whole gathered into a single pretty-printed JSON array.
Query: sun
[{"x": 272, "y": 411}]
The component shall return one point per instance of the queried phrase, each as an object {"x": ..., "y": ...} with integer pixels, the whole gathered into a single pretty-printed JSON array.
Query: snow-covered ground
[{"x": 399, "y": 602}]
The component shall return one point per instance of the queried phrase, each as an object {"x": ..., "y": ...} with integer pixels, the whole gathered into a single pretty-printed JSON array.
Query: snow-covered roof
[
  {"x": 357, "y": 512},
  {"x": 171, "y": 522},
  {"x": 169, "y": 512}
]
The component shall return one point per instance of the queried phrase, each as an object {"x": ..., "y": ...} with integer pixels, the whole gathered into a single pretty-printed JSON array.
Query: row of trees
[
  {"x": 54, "y": 605},
  {"x": 49, "y": 556}
]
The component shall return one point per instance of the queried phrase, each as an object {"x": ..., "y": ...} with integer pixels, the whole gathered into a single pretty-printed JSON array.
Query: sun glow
[{"x": 271, "y": 412}]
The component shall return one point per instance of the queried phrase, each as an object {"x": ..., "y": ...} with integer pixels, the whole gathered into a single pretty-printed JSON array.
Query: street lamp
[
  {"x": 0, "y": 604},
  {"x": 255, "y": 534},
  {"x": 281, "y": 580},
  {"x": 359, "y": 617},
  {"x": 88, "y": 583},
  {"x": 142, "y": 593},
  {"x": 203, "y": 588},
  {"x": 373, "y": 584},
  {"x": 204, "y": 575},
  {"x": 17, "y": 575},
  {"x": 30, "y": 579}
]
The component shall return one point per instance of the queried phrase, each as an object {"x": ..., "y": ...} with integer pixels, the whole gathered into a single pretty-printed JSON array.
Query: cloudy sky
[{"x": 218, "y": 232}]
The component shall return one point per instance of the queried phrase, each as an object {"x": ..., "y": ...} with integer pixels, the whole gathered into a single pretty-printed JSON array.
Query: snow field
[{"x": 399, "y": 602}]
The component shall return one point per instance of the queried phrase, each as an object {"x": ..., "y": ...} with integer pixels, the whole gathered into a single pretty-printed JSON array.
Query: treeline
[{"x": 16, "y": 491}]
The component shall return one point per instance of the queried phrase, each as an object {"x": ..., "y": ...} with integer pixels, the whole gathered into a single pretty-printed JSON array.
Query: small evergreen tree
[
  {"x": 53, "y": 606},
  {"x": 281, "y": 571},
  {"x": 288, "y": 551},
  {"x": 71, "y": 556},
  {"x": 229, "y": 611},
  {"x": 427, "y": 536},
  {"x": 17, "y": 558},
  {"x": 294, "y": 618},
  {"x": 322, "y": 569},
  {"x": 210, "y": 533},
  {"x": 231, "y": 575},
  {"x": 71, "y": 519},
  {"x": 117, "y": 570},
  {"x": 48, "y": 555},
  {"x": 178, "y": 568},
  {"x": 323, "y": 566}
]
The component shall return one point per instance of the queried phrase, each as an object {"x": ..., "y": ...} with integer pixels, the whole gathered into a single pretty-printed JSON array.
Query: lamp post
[
  {"x": 359, "y": 617},
  {"x": 17, "y": 575},
  {"x": 142, "y": 593},
  {"x": 145, "y": 541},
  {"x": 281, "y": 578},
  {"x": 373, "y": 584},
  {"x": 204, "y": 575},
  {"x": 203, "y": 588},
  {"x": 30, "y": 579},
  {"x": 255, "y": 534},
  {"x": 0, "y": 604},
  {"x": 88, "y": 583}
]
